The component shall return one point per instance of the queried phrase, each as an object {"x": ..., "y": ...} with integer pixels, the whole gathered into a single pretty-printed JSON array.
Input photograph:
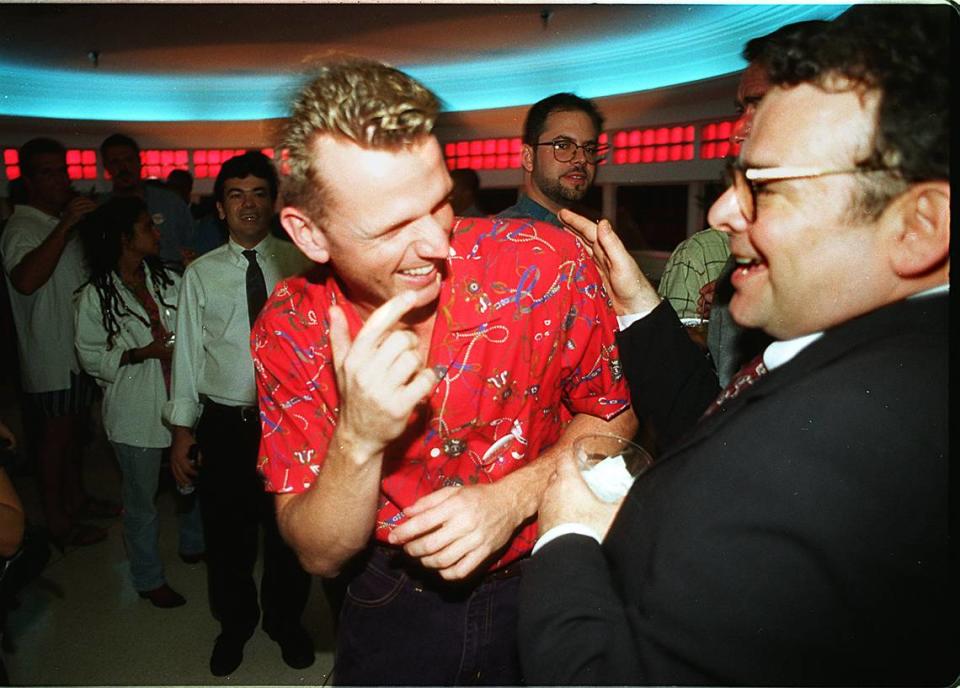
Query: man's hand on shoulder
[{"x": 629, "y": 289}]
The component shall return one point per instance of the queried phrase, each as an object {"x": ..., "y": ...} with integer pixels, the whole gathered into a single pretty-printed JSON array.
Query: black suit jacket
[
  {"x": 797, "y": 537},
  {"x": 671, "y": 380}
]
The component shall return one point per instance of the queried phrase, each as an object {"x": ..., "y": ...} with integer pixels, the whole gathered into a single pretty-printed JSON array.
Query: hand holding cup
[{"x": 609, "y": 464}]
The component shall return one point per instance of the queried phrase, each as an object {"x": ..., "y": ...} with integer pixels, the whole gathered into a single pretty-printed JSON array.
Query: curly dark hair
[
  {"x": 101, "y": 233},
  {"x": 901, "y": 51},
  {"x": 787, "y": 42}
]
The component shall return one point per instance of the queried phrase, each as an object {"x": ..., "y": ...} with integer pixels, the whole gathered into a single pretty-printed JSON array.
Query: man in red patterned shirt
[{"x": 418, "y": 387}]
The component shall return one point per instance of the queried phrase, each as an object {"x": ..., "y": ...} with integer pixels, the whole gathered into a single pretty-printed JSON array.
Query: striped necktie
[{"x": 747, "y": 376}]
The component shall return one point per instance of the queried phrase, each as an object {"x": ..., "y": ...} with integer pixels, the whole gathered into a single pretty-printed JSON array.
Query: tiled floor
[{"x": 82, "y": 623}]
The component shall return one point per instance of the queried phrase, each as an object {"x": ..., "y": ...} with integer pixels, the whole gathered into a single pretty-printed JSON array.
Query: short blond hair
[{"x": 361, "y": 100}]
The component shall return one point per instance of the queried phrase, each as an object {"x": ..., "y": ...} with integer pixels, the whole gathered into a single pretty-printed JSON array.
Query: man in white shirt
[
  {"x": 43, "y": 262},
  {"x": 799, "y": 534},
  {"x": 213, "y": 392}
]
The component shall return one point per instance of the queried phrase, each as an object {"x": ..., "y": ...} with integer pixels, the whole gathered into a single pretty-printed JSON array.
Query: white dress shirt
[
  {"x": 212, "y": 354},
  {"x": 134, "y": 394},
  {"x": 44, "y": 319}
]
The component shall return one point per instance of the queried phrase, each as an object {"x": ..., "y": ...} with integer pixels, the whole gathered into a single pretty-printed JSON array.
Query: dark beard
[{"x": 558, "y": 193}]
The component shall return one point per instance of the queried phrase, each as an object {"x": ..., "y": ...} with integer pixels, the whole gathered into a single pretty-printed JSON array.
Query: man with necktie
[
  {"x": 799, "y": 533},
  {"x": 213, "y": 404}
]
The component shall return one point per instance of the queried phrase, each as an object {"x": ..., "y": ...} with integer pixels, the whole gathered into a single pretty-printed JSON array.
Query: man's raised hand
[
  {"x": 380, "y": 376},
  {"x": 628, "y": 287}
]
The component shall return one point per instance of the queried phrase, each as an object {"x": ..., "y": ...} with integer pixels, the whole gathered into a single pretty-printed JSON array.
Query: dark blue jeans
[{"x": 403, "y": 625}]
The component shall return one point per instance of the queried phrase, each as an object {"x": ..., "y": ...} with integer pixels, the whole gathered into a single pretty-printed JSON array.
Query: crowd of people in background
[
  {"x": 97, "y": 305},
  {"x": 359, "y": 369}
]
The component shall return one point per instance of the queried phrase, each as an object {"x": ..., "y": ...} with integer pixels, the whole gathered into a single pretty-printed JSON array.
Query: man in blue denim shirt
[{"x": 559, "y": 156}]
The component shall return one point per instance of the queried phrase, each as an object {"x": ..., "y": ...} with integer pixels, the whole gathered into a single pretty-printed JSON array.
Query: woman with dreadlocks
[{"x": 125, "y": 322}]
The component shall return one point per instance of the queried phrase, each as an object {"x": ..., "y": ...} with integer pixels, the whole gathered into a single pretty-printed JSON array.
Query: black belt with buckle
[
  {"x": 400, "y": 559},
  {"x": 247, "y": 414}
]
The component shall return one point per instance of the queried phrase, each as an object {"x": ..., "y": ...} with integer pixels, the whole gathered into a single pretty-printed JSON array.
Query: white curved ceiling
[{"x": 223, "y": 62}]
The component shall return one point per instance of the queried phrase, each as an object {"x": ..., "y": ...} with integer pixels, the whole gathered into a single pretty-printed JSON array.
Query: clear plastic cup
[{"x": 609, "y": 464}]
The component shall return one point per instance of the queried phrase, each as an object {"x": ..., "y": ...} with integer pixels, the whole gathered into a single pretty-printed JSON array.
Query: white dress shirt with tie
[{"x": 212, "y": 354}]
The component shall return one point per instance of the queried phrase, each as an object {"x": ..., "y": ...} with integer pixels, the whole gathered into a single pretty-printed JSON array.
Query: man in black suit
[{"x": 798, "y": 534}]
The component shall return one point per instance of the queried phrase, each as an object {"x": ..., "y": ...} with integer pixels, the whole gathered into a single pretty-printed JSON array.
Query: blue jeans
[
  {"x": 140, "y": 467},
  {"x": 402, "y": 625}
]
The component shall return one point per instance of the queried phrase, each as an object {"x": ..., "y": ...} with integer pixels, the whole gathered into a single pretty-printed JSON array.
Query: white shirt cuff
[
  {"x": 625, "y": 321},
  {"x": 561, "y": 530},
  {"x": 182, "y": 412}
]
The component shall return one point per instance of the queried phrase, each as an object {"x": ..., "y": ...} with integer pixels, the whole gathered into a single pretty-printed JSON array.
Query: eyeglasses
[
  {"x": 565, "y": 150},
  {"x": 745, "y": 180}
]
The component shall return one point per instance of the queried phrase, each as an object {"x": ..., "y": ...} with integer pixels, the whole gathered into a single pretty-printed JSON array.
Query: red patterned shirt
[{"x": 523, "y": 339}]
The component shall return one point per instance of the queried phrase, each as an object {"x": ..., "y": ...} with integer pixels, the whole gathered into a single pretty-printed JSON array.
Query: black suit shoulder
[{"x": 799, "y": 537}]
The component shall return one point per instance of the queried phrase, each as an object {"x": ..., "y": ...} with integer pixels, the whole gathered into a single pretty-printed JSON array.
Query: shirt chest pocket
[
  {"x": 219, "y": 321},
  {"x": 497, "y": 444}
]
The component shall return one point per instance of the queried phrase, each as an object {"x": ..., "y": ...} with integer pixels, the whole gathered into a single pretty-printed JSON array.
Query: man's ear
[
  {"x": 921, "y": 230},
  {"x": 309, "y": 238},
  {"x": 526, "y": 157},
  {"x": 222, "y": 215}
]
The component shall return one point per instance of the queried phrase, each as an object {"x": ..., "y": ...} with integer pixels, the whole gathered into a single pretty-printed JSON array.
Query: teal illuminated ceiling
[{"x": 700, "y": 42}]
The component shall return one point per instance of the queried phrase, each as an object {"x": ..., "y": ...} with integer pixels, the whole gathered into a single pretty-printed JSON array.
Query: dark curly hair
[
  {"x": 901, "y": 51},
  {"x": 101, "y": 233},
  {"x": 786, "y": 43}
]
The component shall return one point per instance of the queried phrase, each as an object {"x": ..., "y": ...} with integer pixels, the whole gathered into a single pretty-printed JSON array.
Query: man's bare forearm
[
  {"x": 37, "y": 266},
  {"x": 527, "y": 484},
  {"x": 334, "y": 519},
  {"x": 35, "y": 269}
]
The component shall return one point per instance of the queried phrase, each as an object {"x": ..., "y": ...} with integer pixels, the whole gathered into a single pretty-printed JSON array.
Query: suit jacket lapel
[{"x": 925, "y": 314}]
